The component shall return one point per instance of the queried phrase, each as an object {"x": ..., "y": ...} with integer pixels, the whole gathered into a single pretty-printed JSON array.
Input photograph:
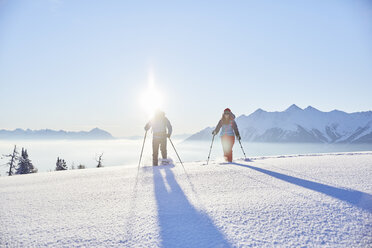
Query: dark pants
[
  {"x": 227, "y": 145},
  {"x": 156, "y": 142}
]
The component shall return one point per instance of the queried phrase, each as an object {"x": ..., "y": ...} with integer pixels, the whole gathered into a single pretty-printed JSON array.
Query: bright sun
[{"x": 151, "y": 99}]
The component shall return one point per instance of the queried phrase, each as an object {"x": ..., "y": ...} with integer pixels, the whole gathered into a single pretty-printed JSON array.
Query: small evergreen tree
[
  {"x": 61, "y": 164},
  {"x": 81, "y": 166},
  {"x": 99, "y": 161},
  {"x": 13, "y": 160},
  {"x": 24, "y": 165}
]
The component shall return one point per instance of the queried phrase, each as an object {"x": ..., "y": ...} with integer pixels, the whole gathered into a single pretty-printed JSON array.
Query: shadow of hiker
[
  {"x": 357, "y": 198},
  {"x": 181, "y": 225}
]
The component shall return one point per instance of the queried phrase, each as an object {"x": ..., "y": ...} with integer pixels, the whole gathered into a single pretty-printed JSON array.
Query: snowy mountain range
[
  {"x": 301, "y": 125},
  {"x": 18, "y": 133}
]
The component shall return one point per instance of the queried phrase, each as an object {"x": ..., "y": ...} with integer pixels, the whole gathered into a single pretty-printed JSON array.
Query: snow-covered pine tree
[
  {"x": 61, "y": 164},
  {"x": 24, "y": 165}
]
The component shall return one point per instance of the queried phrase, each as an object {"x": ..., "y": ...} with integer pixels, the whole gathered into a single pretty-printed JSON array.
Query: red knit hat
[{"x": 227, "y": 110}]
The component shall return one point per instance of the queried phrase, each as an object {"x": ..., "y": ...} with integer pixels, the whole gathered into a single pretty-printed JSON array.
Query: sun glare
[{"x": 151, "y": 99}]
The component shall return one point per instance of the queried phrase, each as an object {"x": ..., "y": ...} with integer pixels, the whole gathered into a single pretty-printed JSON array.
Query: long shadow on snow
[
  {"x": 357, "y": 198},
  {"x": 181, "y": 225}
]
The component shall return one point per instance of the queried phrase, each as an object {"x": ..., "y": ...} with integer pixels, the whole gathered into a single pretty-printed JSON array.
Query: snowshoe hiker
[
  {"x": 159, "y": 124},
  {"x": 228, "y": 127}
]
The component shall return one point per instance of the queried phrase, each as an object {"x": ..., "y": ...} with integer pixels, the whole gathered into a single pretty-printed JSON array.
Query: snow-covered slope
[
  {"x": 294, "y": 201},
  {"x": 302, "y": 125}
]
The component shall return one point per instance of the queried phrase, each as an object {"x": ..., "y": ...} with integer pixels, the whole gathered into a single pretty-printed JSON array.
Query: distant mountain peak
[
  {"x": 310, "y": 108},
  {"x": 260, "y": 110},
  {"x": 98, "y": 131},
  {"x": 293, "y": 108},
  {"x": 19, "y": 133},
  {"x": 307, "y": 125}
]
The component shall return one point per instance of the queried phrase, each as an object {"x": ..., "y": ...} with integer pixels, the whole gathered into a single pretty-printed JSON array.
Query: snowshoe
[{"x": 165, "y": 161}]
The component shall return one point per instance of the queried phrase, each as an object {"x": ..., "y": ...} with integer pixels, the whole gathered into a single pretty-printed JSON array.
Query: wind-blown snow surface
[{"x": 298, "y": 201}]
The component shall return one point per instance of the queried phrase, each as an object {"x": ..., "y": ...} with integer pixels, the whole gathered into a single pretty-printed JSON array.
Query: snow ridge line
[
  {"x": 310, "y": 155},
  {"x": 251, "y": 159}
]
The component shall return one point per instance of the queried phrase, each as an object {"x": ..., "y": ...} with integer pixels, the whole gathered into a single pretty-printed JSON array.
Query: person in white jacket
[{"x": 159, "y": 124}]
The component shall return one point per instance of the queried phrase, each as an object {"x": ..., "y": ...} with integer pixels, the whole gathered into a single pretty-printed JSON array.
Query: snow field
[{"x": 286, "y": 201}]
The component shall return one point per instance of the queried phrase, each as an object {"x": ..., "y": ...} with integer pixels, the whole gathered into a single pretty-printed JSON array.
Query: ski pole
[
  {"x": 144, "y": 139},
  {"x": 242, "y": 149},
  {"x": 175, "y": 151},
  {"x": 210, "y": 149},
  {"x": 181, "y": 162}
]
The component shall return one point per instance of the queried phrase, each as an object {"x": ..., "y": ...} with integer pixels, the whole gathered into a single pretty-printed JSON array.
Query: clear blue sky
[{"x": 76, "y": 65}]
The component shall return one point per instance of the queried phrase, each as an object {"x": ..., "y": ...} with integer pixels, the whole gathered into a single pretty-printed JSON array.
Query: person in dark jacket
[
  {"x": 228, "y": 128},
  {"x": 159, "y": 124}
]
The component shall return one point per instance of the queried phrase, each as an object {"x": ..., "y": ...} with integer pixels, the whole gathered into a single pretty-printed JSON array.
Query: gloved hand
[
  {"x": 238, "y": 137},
  {"x": 168, "y": 135},
  {"x": 147, "y": 128},
  {"x": 214, "y": 132}
]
